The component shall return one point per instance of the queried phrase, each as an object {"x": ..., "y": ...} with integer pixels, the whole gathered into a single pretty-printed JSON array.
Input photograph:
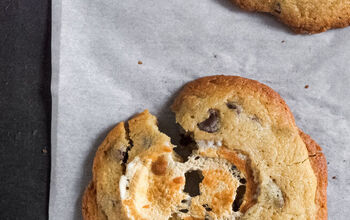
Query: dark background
[{"x": 25, "y": 108}]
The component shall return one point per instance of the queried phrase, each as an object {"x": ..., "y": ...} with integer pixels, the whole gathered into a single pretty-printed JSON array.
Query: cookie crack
[
  {"x": 299, "y": 162},
  {"x": 128, "y": 148},
  {"x": 303, "y": 161}
]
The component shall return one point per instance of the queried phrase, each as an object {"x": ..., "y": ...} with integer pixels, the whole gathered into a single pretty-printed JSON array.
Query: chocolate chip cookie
[
  {"x": 304, "y": 16},
  {"x": 241, "y": 157}
]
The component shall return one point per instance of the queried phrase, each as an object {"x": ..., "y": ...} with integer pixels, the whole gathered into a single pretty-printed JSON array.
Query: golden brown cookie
[
  {"x": 242, "y": 156},
  {"x": 304, "y": 16}
]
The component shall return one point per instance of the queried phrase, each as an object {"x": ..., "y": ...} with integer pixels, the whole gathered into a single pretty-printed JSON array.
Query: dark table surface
[{"x": 25, "y": 108}]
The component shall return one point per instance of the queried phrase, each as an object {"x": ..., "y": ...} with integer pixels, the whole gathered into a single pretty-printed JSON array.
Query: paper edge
[{"x": 55, "y": 61}]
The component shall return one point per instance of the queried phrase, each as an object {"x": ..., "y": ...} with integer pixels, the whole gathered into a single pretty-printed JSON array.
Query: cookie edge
[
  {"x": 319, "y": 165},
  {"x": 90, "y": 210},
  {"x": 89, "y": 204}
]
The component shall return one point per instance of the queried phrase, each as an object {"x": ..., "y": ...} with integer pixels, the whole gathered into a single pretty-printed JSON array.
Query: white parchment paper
[{"x": 98, "y": 82}]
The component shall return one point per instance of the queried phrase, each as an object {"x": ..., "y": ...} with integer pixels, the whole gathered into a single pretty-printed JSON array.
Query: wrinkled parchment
[{"x": 98, "y": 81}]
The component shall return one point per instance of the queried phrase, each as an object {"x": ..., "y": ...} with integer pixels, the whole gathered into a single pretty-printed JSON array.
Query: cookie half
[
  {"x": 304, "y": 16},
  {"x": 241, "y": 157}
]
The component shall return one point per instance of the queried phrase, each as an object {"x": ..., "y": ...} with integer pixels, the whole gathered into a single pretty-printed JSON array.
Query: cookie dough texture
[
  {"x": 304, "y": 16},
  {"x": 246, "y": 142}
]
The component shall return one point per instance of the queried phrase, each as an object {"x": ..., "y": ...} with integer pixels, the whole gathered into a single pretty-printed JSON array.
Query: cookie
[
  {"x": 304, "y": 16},
  {"x": 241, "y": 156}
]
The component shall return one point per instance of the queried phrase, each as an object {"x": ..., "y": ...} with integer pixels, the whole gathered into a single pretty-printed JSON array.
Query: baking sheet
[{"x": 98, "y": 81}]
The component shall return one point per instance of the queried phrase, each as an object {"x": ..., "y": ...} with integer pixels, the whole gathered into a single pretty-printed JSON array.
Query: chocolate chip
[
  {"x": 234, "y": 106},
  {"x": 243, "y": 181},
  {"x": 212, "y": 123},
  {"x": 116, "y": 154},
  {"x": 183, "y": 210},
  {"x": 231, "y": 105},
  {"x": 278, "y": 9},
  {"x": 121, "y": 155},
  {"x": 233, "y": 168},
  {"x": 207, "y": 208},
  {"x": 196, "y": 158},
  {"x": 183, "y": 201}
]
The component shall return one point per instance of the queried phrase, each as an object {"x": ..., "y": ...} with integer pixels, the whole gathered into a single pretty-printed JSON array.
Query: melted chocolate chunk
[
  {"x": 234, "y": 106},
  {"x": 212, "y": 123},
  {"x": 183, "y": 210}
]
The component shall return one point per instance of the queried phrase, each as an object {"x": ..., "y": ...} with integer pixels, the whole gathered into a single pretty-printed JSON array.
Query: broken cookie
[{"x": 244, "y": 158}]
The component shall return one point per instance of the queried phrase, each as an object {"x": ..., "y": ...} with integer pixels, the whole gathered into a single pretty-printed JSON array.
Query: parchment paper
[{"x": 98, "y": 82}]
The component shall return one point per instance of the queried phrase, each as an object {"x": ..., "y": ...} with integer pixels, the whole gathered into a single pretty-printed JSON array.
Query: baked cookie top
[
  {"x": 242, "y": 157},
  {"x": 304, "y": 16}
]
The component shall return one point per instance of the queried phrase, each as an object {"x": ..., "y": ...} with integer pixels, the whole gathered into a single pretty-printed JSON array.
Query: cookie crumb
[
  {"x": 44, "y": 151},
  {"x": 327, "y": 162},
  {"x": 306, "y": 86},
  {"x": 140, "y": 62},
  {"x": 334, "y": 177},
  {"x": 215, "y": 56},
  {"x": 283, "y": 41}
]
